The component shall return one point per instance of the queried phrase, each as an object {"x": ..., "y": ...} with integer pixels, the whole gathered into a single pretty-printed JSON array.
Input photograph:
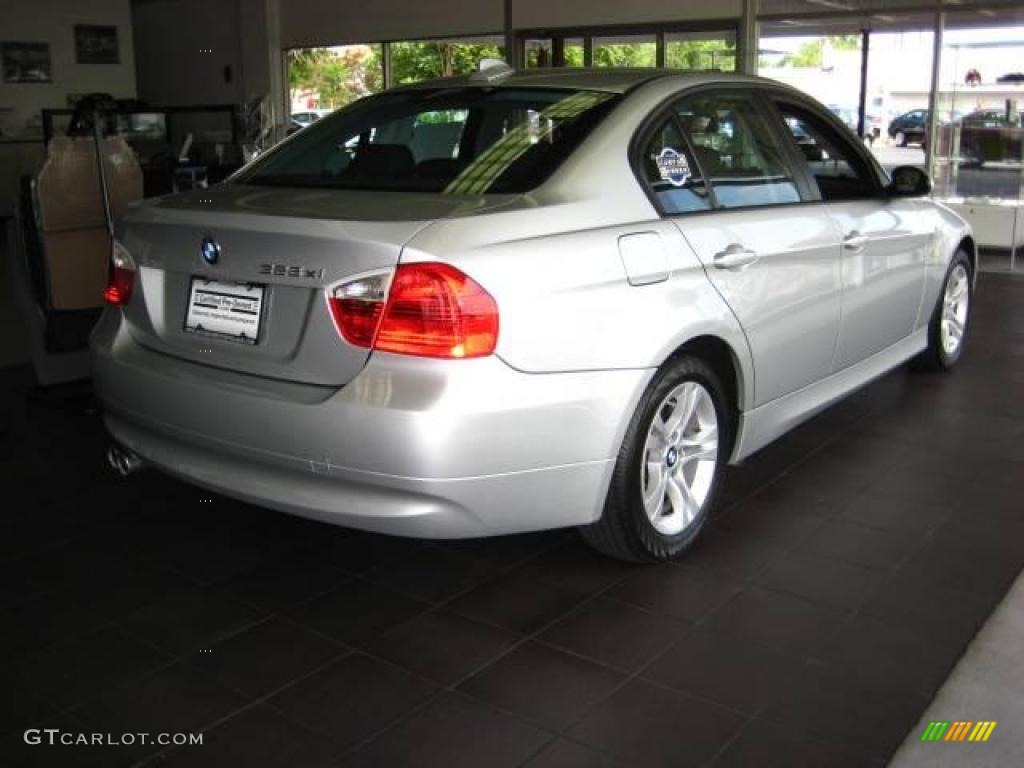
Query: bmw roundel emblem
[{"x": 210, "y": 250}]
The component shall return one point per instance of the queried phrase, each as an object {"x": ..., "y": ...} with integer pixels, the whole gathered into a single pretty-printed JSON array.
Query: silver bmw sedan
[{"x": 515, "y": 301}]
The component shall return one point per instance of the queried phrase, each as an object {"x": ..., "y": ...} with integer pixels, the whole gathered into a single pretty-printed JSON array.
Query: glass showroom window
[
  {"x": 827, "y": 67},
  {"x": 538, "y": 53},
  {"x": 543, "y": 52},
  {"x": 573, "y": 51},
  {"x": 625, "y": 51},
  {"x": 701, "y": 50},
  {"x": 321, "y": 80},
  {"x": 416, "y": 60}
]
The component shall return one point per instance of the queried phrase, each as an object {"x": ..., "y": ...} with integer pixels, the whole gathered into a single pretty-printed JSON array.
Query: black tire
[
  {"x": 624, "y": 530},
  {"x": 936, "y": 357}
]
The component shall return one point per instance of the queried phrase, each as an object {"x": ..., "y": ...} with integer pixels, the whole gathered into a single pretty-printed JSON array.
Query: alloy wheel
[
  {"x": 954, "y": 310},
  {"x": 679, "y": 459}
]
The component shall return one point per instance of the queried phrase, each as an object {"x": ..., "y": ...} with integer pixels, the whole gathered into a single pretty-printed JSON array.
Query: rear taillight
[
  {"x": 122, "y": 276},
  {"x": 357, "y": 307},
  {"x": 431, "y": 310}
]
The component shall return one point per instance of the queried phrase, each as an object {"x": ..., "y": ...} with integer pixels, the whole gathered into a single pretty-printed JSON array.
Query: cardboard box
[
  {"x": 77, "y": 267},
  {"x": 71, "y": 217},
  {"x": 68, "y": 186}
]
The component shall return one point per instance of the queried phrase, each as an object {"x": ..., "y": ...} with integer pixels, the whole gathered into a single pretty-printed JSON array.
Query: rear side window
[
  {"x": 739, "y": 154},
  {"x": 840, "y": 172},
  {"x": 462, "y": 141},
  {"x": 671, "y": 173}
]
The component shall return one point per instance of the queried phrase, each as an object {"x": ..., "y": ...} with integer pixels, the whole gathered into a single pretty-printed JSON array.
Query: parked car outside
[
  {"x": 508, "y": 302},
  {"x": 909, "y": 128},
  {"x": 912, "y": 127},
  {"x": 851, "y": 116}
]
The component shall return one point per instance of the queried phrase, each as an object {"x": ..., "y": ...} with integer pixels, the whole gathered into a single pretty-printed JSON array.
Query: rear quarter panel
[
  {"x": 552, "y": 262},
  {"x": 564, "y": 299}
]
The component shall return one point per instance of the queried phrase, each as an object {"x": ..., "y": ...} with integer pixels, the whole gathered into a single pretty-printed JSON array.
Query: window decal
[{"x": 673, "y": 167}]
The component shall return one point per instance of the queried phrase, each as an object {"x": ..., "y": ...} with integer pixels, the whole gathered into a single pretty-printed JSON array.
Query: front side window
[
  {"x": 738, "y": 152},
  {"x": 670, "y": 172},
  {"x": 445, "y": 140},
  {"x": 840, "y": 172}
]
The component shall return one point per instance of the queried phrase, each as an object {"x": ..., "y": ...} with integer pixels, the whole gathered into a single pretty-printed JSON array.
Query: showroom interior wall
[
  {"x": 331, "y": 22},
  {"x": 247, "y": 35},
  {"x": 53, "y": 22},
  {"x": 173, "y": 37},
  {"x": 534, "y": 14},
  {"x": 206, "y": 51}
]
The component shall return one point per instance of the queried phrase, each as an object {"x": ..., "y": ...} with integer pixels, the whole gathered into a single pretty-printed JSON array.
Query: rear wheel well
[
  {"x": 719, "y": 355},
  {"x": 968, "y": 244}
]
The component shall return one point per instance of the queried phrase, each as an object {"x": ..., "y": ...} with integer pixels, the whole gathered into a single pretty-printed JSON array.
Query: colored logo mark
[{"x": 959, "y": 730}]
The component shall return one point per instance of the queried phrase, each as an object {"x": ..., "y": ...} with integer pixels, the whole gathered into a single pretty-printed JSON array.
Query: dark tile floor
[{"x": 828, "y": 600}]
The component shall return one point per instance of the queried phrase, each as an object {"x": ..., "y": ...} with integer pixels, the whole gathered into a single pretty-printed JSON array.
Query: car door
[
  {"x": 885, "y": 240},
  {"x": 774, "y": 259}
]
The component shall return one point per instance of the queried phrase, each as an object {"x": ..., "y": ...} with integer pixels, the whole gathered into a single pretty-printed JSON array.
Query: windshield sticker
[{"x": 673, "y": 167}]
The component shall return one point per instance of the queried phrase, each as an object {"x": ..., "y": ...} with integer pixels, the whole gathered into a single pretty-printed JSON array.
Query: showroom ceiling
[{"x": 798, "y": 17}]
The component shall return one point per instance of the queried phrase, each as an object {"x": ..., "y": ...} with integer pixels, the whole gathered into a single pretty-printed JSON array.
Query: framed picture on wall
[
  {"x": 96, "y": 44},
  {"x": 26, "y": 62}
]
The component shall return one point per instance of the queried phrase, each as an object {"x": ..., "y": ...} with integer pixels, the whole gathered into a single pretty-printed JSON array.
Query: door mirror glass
[{"x": 908, "y": 181}]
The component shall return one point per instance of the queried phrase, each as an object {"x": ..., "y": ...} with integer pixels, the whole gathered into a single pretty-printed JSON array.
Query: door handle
[
  {"x": 735, "y": 256},
  {"x": 855, "y": 241}
]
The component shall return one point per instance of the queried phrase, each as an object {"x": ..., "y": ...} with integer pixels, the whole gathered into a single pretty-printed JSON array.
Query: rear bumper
[{"x": 433, "y": 449}]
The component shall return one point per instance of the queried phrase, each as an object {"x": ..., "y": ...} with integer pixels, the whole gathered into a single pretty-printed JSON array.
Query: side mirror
[{"x": 909, "y": 181}]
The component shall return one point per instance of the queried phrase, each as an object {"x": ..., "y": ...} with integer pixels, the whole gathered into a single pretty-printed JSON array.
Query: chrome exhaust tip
[{"x": 123, "y": 461}]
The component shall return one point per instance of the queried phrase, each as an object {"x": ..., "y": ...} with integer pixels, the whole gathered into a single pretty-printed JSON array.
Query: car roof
[{"x": 612, "y": 79}]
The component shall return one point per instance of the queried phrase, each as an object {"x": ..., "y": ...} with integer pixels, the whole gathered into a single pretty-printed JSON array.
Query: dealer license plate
[{"x": 228, "y": 310}]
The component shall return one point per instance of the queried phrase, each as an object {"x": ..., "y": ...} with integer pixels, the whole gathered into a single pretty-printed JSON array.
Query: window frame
[
  {"x": 877, "y": 177},
  {"x": 662, "y": 115},
  {"x": 807, "y": 189}
]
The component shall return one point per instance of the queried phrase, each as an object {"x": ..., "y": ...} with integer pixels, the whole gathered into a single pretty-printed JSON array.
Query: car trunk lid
[{"x": 293, "y": 243}]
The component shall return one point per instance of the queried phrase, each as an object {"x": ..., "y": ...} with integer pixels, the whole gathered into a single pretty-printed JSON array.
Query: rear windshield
[{"x": 461, "y": 141}]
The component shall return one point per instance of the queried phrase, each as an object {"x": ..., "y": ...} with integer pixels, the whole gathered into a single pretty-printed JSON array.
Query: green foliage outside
[
  {"x": 416, "y": 61},
  {"x": 624, "y": 54},
  {"x": 700, "y": 54},
  {"x": 679, "y": 54},
  {"x": 811, "y": 53},
  {"x": 339, "y": 76},
  {"x": 573, "y": 55}
]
